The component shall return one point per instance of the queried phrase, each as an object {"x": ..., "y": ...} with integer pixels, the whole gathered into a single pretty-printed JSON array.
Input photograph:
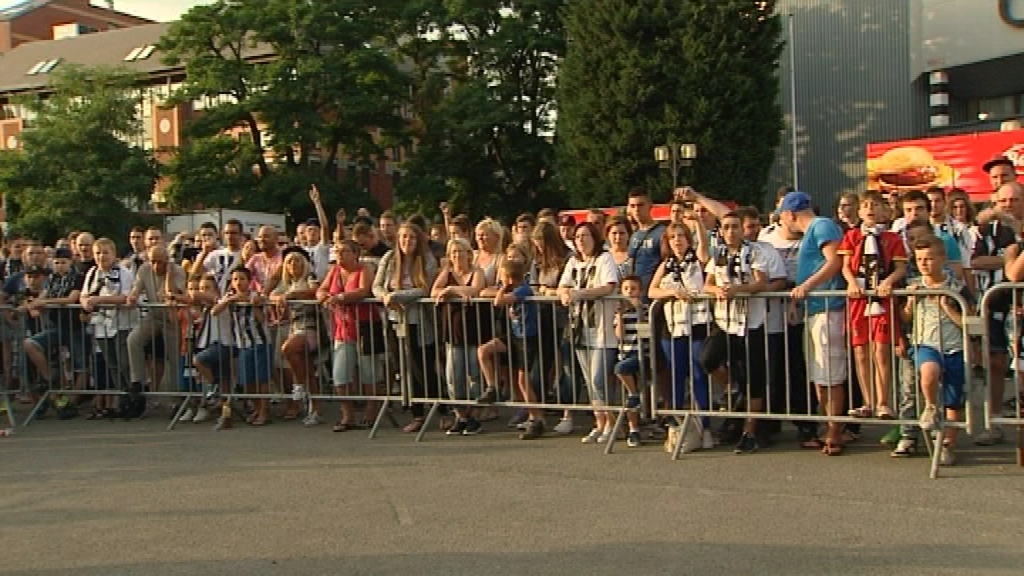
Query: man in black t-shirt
[{"x": 62, "y": 328}]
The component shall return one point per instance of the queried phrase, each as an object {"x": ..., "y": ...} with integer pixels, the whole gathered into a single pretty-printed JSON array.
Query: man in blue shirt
[
  {"x": 645, "y": 244},
  {"x": 819, "y": 267}
]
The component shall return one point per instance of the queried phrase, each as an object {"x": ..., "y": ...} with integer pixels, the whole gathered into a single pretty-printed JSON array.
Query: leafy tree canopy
[
  {"x": 77, "y": 169},
  {"x": 642, "y": 73}
]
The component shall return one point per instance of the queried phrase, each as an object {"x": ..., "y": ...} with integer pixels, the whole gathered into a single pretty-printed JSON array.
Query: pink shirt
[
  {"x": 347, "y": 317},
  {"x": 263, "y": 268}
]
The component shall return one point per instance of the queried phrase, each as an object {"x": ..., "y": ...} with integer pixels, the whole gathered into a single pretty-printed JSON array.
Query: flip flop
[
  {"x": 831, "y": 449},
  {"x": 812, "y": 444}
]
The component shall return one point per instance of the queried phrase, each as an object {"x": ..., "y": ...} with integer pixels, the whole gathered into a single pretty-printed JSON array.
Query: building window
[{"x": 993, "y": 108}]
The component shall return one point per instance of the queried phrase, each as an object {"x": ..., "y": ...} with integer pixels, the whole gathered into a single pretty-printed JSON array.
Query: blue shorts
[
  {"x": 217, "y": 358},
  {"x": 629, "y": 365},
  {"x": 188, "y": 378},
  {"x": 952, "y": 366},
  {"x": 72, "y": 339},
  {"x": 254, "y": 365}
]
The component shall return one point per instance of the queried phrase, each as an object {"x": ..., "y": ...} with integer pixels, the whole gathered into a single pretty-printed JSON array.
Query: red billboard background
[{"x": 945, "y": 161}]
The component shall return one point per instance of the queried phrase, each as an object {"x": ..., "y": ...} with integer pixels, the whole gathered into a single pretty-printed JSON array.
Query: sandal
[
  {"x": 862, "y": 412},
  {"x": 340, "y": 427},
  {"x": 414, "y": 426},
  {"x": 97, "y": 415},
  {"x": 812, "y": 444},
  {"x": 831, "y": 449},
  {"x": 885, "y": 413},
  {"x": 260, "y": 421}
]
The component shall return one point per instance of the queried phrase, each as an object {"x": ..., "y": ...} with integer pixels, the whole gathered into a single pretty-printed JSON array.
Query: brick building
[
  {"x": 26, "y": 70},
  {"x": 35, "y": 20}
]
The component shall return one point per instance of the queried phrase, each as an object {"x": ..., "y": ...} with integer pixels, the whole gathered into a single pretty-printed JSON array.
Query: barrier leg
[
  {"x": 177, "y": 413},
  {"x": 10, "y": 409},
  {"x": 385, "y": 408},
  {"x": 427, "y": 420},
  {"x": 677, "y": 449},
  {"x": 35, "y": 409},
  {"x": 1020, "y": 446},
  {"x": 610, "y": 445},
  {"x": 936, "y": 446}
]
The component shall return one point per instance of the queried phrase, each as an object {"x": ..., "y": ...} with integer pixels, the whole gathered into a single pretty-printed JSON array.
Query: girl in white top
[
  {"x": 589, "y": 278},
  {"x": 679, "y": 282}
]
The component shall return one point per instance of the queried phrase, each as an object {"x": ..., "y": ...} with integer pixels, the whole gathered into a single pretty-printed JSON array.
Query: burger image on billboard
[{"x": 906, "y": 167}]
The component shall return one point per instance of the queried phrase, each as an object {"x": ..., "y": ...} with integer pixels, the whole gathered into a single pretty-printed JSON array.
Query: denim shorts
[
  {"x": 952, "y": 366},
  {"x": 254, "y": 365},
  {"x": 217, "y": 358},
  {"x": 628, "y": 365},
  {"x": 74, "y": 340}
]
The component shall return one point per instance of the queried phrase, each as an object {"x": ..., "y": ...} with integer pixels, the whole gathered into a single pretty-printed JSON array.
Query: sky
[{"x": 159, "y": 10}]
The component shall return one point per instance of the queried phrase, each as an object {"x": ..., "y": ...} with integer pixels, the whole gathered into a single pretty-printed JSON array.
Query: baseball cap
[
  {"x": 566, "y": 220},
  {"x": 62, "y": 253},
  {"x": 998, "y": 160},
  {"x": 794, "y": 202},
  {"x": 313, "y": 222}
]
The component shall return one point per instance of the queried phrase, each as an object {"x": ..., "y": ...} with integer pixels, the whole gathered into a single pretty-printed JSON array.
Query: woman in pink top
[{"x": 358, "y": 333}]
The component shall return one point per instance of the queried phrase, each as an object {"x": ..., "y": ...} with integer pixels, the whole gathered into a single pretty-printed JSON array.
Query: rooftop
[
  {"x": 21, "y": 7},
  {"x": 27, "y": 67}
]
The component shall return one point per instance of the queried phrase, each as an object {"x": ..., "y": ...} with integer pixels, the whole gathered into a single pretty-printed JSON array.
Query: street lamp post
[{"x": 672, "y": 156}]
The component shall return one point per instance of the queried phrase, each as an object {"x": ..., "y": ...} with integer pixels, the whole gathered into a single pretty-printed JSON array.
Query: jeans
[
  {"x": 462, "y": 370},
  {"x": 683, "y": 353},
  {"x": 598, "y": 365}
]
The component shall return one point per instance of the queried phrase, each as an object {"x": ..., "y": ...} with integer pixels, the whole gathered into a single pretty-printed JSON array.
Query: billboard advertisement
[{"x": 945, "y": 161}]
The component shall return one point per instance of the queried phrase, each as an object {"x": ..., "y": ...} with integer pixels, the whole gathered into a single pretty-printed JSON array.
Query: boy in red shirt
[{"x": 873, "y": 259}]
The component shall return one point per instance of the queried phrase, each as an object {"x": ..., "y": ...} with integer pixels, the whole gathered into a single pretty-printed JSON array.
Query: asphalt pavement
[{"x": 106, "y": 498}]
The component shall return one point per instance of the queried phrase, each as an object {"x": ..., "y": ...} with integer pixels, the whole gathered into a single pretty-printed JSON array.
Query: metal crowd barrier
[
  {"x": 430, "y": 356},
  {"x": 467, "y": 356},
  {"x": 781, "y": 384},
  {"x": 157, "y": 349},
  {"x": 1003, "y": 310}
]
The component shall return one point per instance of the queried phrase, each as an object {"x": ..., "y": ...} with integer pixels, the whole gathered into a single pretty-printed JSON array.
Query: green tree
[
  {"x": 323, "y": 87},
  {"x": 641, "y": 73},
  {"x": 76, "y": 168},
  {"x": 487, "y": 143}
]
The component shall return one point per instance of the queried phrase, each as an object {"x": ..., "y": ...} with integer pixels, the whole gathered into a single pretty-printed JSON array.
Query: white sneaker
[
  {"x": 990, "y": 437},
  {"x": 523, "y": 425},
  {"x": 298, "y": 392},
  {"x": 564, "y": 426},
  {"x": 947, "y": 457},
  {"x": 929, "y": 418},
  {"x": 707, "y": 440},
  {"x": 592, "y": 437},
  {"x": 202, "y": 415},
  {"x": 188, "y": 415},
  {"x": 604, "y": 437},
  {"x": 312, "y": 420}
]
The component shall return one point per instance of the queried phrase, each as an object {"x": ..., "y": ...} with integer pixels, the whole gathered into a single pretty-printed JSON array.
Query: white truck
[{"x": 251, "y": 221}]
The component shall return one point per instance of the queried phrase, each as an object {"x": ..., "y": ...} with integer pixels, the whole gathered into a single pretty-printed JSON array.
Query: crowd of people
[{"x": 546, "y": 311}]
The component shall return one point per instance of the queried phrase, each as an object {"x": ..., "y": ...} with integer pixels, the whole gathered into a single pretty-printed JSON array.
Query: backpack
[{"x": 133, "y": 403}]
